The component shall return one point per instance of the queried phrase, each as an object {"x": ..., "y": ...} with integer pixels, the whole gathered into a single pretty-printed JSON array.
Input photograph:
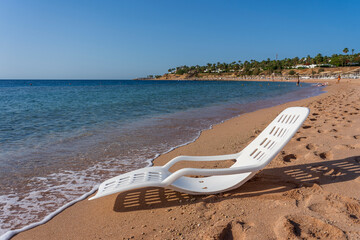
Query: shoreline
[
  {"x": 275, "y": 101},
  {"x": 251, "y": 108},
  {"x": 198, "y": 147},
  {"x": 309, "y": 80}
]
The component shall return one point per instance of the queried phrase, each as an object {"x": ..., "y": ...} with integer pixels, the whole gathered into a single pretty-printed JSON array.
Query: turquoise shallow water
[{"x": 58, "y": 138}]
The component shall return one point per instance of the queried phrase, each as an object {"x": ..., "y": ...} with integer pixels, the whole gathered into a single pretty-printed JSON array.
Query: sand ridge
[{"x": 310, "y": 190}]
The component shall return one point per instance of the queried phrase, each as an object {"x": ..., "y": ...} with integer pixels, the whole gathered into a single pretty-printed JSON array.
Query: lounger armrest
[
  {"x": 211, "y": 172},
  {"x": 200, "y": 158}
]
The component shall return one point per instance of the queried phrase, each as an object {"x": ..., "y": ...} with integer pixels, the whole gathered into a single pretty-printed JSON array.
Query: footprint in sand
[
  {"x": 324, "y": 209},
  {"x": 288, "y": 157},
  {"x": 356, "y": 136},
  {"x": 344, "y": 147},
  {"x": 306, "y": 227},
  {"x": 356, "y": 145},
  {"x": 324, "y": 155},
  {"x": 306, "y": 127},
  {"x": 299, "y": 139},
  {"x": 353, "y": 210},
  {"x": 338, "y": 208},
  {"x": 232, "y": 230},
  {"x": 311, "y": 146}
]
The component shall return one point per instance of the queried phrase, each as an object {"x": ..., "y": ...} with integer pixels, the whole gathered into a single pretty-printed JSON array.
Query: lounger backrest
[{"x": 275, "y": 136}]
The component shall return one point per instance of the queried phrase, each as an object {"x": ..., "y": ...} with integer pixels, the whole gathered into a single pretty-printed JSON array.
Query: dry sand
[{"x": 310, "y": 190}]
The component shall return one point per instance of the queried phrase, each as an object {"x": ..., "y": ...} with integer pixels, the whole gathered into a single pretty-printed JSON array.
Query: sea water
[{"x": 59, "y": 138}]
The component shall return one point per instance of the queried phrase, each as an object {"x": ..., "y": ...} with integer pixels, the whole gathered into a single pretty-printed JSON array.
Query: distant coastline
[
  {"x": 317, "y": 67},
  {"x": 303, "y": 74}
]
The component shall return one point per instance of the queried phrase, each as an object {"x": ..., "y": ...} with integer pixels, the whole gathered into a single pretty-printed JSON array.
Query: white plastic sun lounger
[{"x": 251, "y": 159}]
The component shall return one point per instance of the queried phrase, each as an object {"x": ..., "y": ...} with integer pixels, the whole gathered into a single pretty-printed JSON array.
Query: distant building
[
  {"x": 301, "y": 66},
  {"x": 313, "y": 65},
  {"x": 325, "y": 65}
]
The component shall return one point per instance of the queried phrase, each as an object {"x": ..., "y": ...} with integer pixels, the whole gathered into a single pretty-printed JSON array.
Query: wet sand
[{"x": 310, "y": 190}]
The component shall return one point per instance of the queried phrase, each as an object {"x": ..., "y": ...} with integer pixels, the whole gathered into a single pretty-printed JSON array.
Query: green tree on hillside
[
  {"x": 308, "y": 59},
  {"x": 318, "y": 58},
  {"x": 346, "y": 50}
]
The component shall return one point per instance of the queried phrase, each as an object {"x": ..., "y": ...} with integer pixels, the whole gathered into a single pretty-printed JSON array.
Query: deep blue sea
[{"x": 59, "y": 138}]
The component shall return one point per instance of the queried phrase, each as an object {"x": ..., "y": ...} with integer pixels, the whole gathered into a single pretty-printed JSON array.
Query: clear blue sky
[{"x": 70, "y": 39}]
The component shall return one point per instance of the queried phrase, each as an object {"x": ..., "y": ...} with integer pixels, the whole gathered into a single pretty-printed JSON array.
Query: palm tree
[
  {"x": 346, "y": 50},
  {"x": 352, "y": 51}
]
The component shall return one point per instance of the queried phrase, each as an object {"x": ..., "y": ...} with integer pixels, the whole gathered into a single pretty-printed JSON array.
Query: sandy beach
[{"x": 310, "y": 190}]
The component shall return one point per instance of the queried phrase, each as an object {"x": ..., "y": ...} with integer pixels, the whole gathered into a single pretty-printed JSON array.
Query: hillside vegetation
[{"x": 289, "y": 67}]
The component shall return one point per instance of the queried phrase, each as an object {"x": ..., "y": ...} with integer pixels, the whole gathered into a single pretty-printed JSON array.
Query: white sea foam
[
  {"x": 11, "y": 233},
  {"x": 61, "y": 194}
]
